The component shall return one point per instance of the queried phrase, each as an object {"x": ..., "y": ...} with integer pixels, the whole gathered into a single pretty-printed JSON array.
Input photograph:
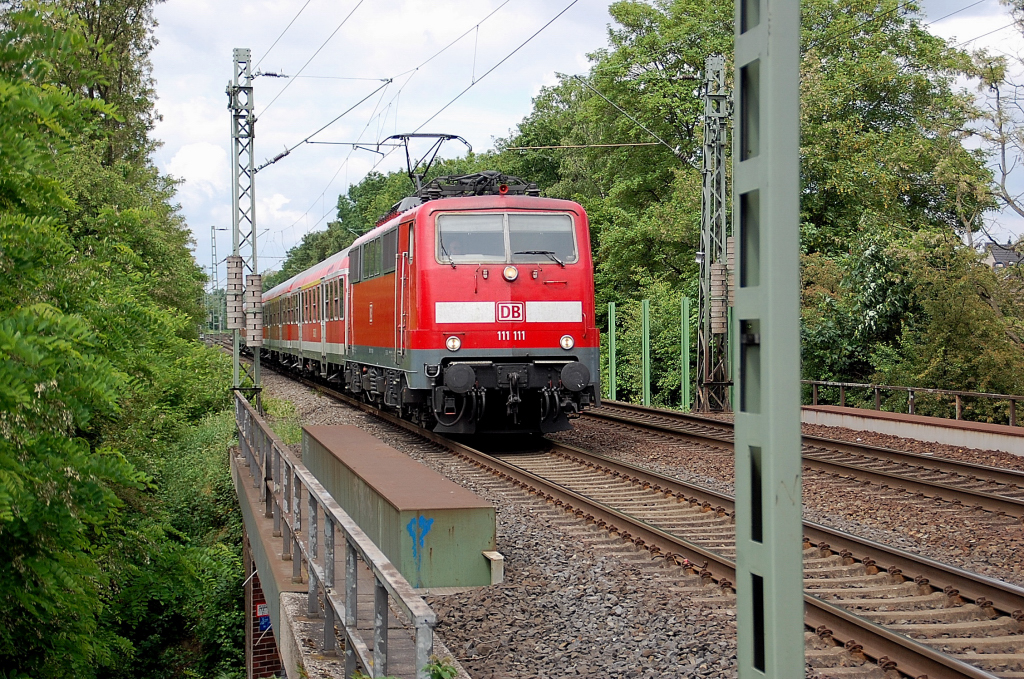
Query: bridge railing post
[
  {"x": 351, "y": 602},
  {"x": 286, "y": 531},
  {"x": 257, "y": 473},
  {"x": 262, "y": 449},
  {"x": 380, "y": 629},
  {"x": 329, "y": 640},
  {"x": 311, "y": 550}
]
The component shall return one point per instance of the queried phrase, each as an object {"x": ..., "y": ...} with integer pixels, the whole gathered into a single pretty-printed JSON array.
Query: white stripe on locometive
[
  {"x": 554, "y": 312},
  {"x": 464, "y": 312}
]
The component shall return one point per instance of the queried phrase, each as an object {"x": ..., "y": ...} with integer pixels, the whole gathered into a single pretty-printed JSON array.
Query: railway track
[
  {"x": 1000, "y": 491},
  {"x": 908, "y": 615}
]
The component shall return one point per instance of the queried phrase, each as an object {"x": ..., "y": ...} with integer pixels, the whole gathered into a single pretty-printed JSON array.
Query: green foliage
[
  {"x": 118, "y": 523},
  {"x": 888, "y": 187},
  {"x": 358, "y": 211},
  {"x": 441, "y": 668},
  {"x": 284, "y": 420}
]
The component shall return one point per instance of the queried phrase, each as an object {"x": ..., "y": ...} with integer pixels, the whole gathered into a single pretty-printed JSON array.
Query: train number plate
[{"x": 506, "y": 335}]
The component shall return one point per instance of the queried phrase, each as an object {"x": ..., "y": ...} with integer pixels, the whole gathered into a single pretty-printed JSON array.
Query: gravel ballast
[
  {"x": 975, "y": 540},
  {"x": 575, "y": 601}
]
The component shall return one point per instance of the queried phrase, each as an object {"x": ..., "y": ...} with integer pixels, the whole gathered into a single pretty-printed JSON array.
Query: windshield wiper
[
  {"x": 445, "y": 251},
  {"x": 549, "y": 253}
]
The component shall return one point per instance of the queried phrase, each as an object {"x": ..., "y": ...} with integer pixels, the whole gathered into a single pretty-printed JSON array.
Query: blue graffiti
[{"x": 418, "y": 529}]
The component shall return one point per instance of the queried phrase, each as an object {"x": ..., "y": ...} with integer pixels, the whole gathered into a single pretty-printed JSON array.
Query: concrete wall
[{"x": 960, "y": 433}]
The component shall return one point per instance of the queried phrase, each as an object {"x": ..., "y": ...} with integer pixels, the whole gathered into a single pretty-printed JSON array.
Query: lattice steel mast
[
  {"x": 213, "y": 302},
  {"x": 715, "y": 292},
  {"x": 243, "y": 262}
]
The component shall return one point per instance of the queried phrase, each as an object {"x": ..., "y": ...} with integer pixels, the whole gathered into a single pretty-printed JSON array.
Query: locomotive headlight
[
  {"x": 567, "y": 342},
  {"x": 453, "y": 343},
  {"x": 510, "y": 273}
]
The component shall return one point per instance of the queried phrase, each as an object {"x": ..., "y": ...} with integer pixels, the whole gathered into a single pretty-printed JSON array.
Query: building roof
[{"x": 1003, "y": 255}]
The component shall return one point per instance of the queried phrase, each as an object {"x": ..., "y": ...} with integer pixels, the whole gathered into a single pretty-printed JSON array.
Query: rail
[
  {"x": 281, "y": 480},
  {"x": 877, "y": 389}
]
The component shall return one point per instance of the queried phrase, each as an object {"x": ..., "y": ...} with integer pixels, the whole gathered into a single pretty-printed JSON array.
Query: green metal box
[{"x": 433, "y": 530}]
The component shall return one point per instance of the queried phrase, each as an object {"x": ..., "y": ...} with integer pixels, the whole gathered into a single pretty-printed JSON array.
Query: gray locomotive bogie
[{"x": 537, "y": 384}]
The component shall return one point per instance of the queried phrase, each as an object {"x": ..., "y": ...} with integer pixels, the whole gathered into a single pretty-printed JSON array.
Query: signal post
[{"x": 766, "y": 340}]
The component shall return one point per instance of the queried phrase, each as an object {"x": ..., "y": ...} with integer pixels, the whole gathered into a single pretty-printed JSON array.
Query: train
[{"x": 468, "y": 309}]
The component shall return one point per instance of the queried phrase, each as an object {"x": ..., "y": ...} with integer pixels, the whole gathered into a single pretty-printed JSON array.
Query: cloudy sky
[{"x": 374, "y": 41}]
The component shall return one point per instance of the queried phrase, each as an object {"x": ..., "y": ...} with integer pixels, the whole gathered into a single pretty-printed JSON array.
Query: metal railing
[
  {"x": 877, "y": 389},
  {"x": 282, "y": 480}
]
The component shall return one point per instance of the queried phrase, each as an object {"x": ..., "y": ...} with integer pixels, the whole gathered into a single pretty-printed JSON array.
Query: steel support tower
[
  {"x": 766, "y": 341},
  {"x": 243, "y": 262},
  {"x": 713, "y": 377},
  {"x": 213, "y": 301}
]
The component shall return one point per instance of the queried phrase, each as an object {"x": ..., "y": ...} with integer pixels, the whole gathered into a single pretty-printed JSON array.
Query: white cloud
[
  {"x": 204, "y": 167},
  {"x": 192, "y": 64}
]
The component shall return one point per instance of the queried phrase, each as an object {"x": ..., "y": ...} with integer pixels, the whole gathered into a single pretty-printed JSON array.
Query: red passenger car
[{"x": 470, "y": 310}]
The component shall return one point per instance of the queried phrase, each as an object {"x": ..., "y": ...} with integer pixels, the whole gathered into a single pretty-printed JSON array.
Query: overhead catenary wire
[
  {"x": 985, "y": 35},
  {"x": 674, "y": 150},
  {"x": 334, "y": 120},
  {"x": 318, "y": 50},
  {"x": 492, "y": 68},
  {"x": 373, "y": 116},
  {"x": 453, "y": 42},
  {"x": 962, "y": 9},
  {"x": 840, "y": 34},
  {"x": 282, "y": 33},
  {"x": 338, "y": 77},
  {"x": 581, "y": 146},
  {"x": 880, "y": 15}
]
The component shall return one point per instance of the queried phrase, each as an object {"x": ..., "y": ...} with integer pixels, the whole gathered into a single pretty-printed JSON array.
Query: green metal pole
[
  {"x": 766, "y": 186},
  {"x": 647, "y": 351},
  {"x": 684, "y": 318},
  {"x": 611, "y": 350}
]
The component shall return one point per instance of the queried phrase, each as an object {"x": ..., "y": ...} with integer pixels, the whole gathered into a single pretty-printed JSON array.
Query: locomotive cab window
[
  {"x": 540, "y": 237},
  {"x": 511, "y": 237},
  {"x": 471, "y": 238}
]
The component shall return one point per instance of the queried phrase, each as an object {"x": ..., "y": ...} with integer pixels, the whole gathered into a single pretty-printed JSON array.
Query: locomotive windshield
[{"x": 518, "y": 237}]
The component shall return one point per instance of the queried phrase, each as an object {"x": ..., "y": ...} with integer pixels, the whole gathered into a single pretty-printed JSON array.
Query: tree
[{"x": 100, "y": 382}]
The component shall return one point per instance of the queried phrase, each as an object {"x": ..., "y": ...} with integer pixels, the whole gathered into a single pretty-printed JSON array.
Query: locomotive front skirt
[{"x": 467, "y": 315}]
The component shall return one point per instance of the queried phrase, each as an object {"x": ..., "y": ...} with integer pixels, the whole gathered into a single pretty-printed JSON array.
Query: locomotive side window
[
  {"x": 355, "y": 264},
  {"x": 470, "y": 238},
  {"x": 390, "y": 249},
  {"x": 371, "y": 258},
  {"x": 541, "y": 237}
]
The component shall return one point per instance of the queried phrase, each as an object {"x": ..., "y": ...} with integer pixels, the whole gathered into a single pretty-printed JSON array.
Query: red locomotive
[{"x": 469, "y": 309}]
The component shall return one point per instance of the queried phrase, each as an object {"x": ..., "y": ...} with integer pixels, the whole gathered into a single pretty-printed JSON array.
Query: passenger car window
[{"x": 471, "y": 238}]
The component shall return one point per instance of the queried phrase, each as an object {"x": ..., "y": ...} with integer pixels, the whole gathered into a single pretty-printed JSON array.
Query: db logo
[{"x": 511, "y": 311}]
